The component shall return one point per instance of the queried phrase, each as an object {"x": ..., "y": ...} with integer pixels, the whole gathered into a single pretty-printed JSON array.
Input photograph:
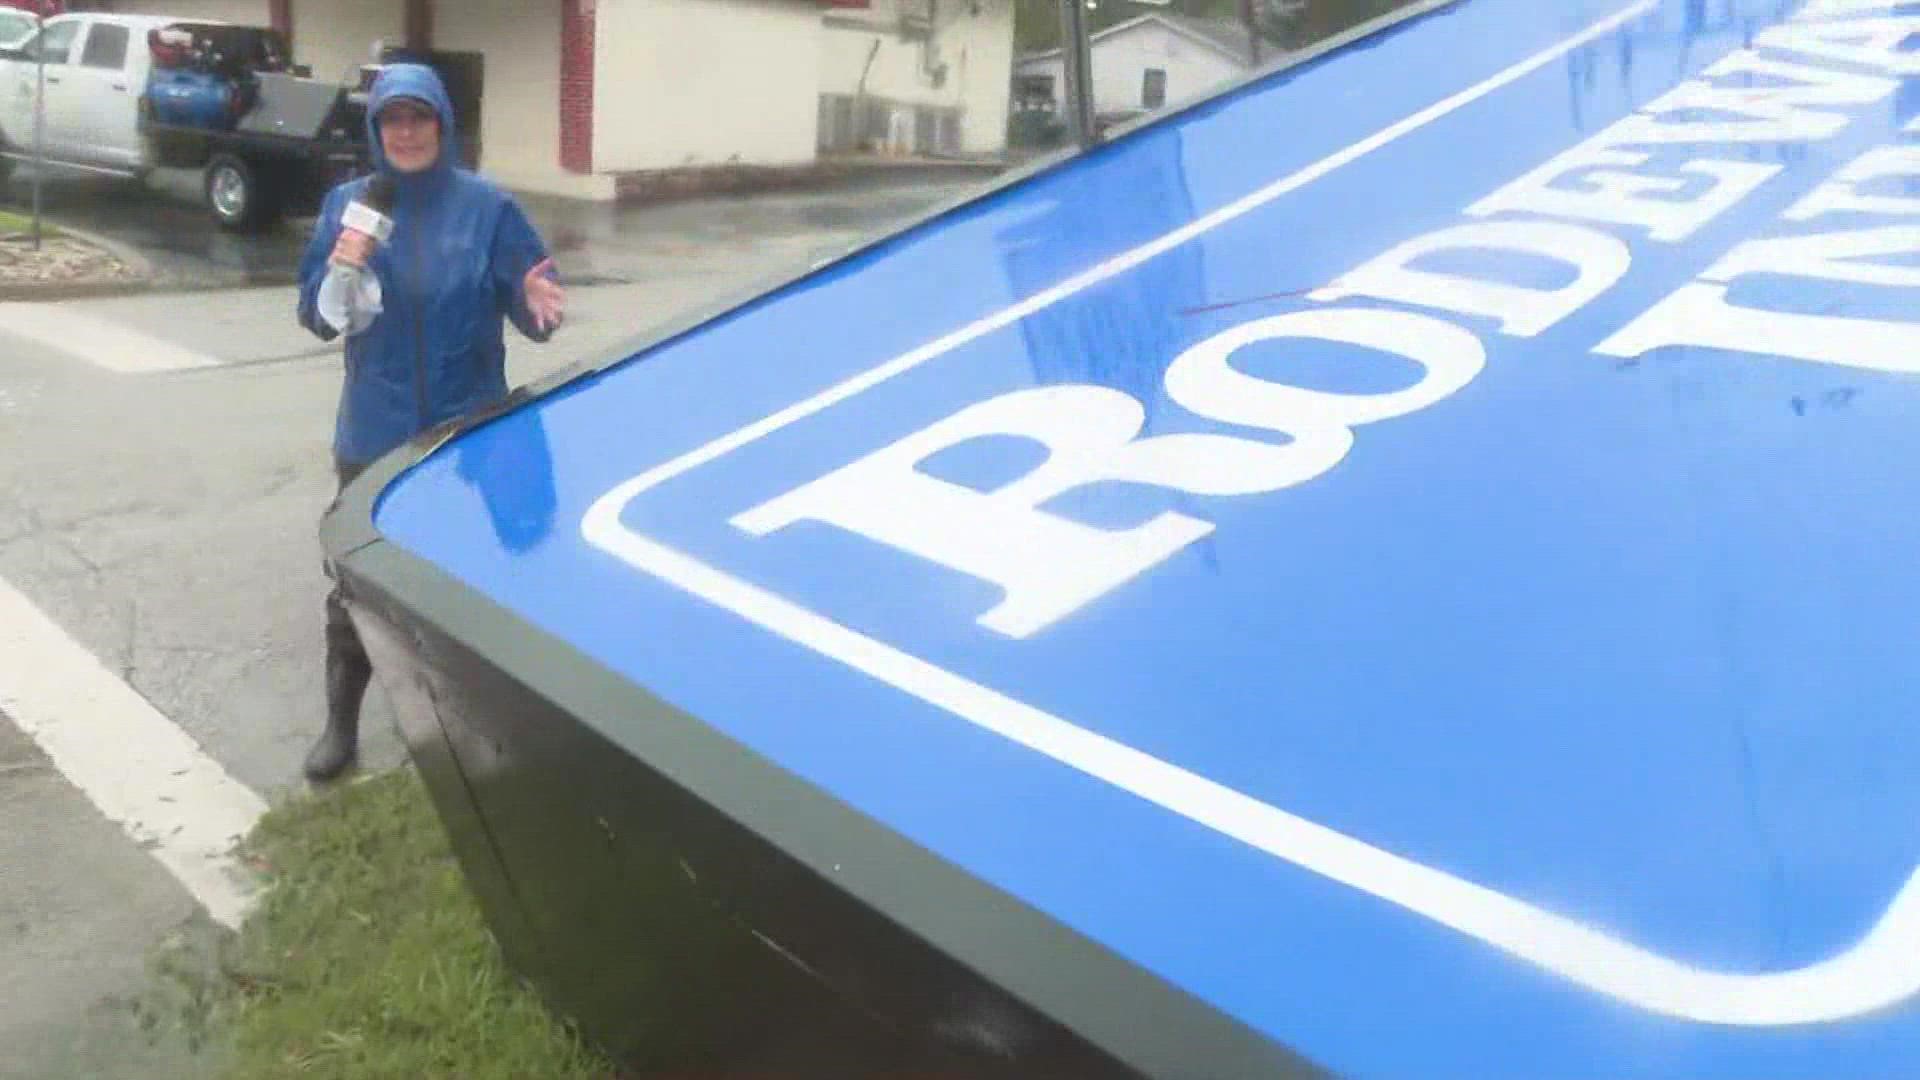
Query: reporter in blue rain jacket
[{"x": 462, "y": 260}]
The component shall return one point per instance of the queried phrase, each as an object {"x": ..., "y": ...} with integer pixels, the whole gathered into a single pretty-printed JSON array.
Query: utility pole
[
  {"x": 1253, "y": 33},
  {"x": 1075, "y": 48},
  {"x": 39, "y": 118}
]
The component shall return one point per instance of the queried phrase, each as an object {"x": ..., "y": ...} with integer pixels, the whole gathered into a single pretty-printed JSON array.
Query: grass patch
[
  {"x": 368, "y": 957},
  {"x": 21, "y": 223}
]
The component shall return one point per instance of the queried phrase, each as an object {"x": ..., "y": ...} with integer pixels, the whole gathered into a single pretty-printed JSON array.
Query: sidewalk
[{"x": 75, "y": 964}]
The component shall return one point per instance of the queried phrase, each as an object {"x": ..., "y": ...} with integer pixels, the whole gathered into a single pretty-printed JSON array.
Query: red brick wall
[{"x": 576, "y": 85}]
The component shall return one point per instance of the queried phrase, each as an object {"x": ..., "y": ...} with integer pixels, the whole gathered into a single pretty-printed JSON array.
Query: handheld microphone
[
  {"x": 369, "y": 215},
  {"x": 350, "y": 297}
]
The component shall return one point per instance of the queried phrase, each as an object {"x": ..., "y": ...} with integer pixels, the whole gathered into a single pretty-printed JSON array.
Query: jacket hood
[{"x": 421, "y": 83}]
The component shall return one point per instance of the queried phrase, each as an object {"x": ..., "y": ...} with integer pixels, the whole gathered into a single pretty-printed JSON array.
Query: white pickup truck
[
  {"x": 16, "y": 27},
  {"x": 286, "y": 139}
]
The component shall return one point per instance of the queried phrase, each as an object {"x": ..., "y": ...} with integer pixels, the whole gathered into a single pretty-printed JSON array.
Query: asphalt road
[{"x": 162, "y": 516}]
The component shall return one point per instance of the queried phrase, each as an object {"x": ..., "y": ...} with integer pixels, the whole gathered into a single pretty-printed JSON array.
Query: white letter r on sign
[{"x": 1047, "y": 565}]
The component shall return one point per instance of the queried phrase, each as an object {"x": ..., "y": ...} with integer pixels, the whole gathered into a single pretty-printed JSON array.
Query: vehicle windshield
[{"x": 15, "y": 28}]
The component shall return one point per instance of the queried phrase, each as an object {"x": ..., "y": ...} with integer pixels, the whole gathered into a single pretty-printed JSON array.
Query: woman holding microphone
[{"x": 460, "y": 260}]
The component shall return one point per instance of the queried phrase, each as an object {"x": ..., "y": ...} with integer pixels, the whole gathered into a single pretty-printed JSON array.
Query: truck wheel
[{"x": 240, "y": 201}]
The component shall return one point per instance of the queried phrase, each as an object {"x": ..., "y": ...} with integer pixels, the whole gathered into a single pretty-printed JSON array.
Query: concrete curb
[
  {"x": 127, "y": 254},
  {"x": 139, "y": 268},
  {"x": 69, "y": 290}
]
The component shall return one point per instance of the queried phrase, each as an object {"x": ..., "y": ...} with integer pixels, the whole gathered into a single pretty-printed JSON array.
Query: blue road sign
[{"x": 1417, "y": 552}]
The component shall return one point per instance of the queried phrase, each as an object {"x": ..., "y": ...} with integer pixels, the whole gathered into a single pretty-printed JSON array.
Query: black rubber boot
[
  {"x": 347, "y": 678},
  {"x": 348, "y": 673}
]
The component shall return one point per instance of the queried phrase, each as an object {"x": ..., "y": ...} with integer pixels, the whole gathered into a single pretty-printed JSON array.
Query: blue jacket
[{"x": 451, "y": 274}]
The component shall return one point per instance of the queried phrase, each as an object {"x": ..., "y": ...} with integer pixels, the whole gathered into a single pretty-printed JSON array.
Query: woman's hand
[
  {"x": 352, "y": 249},
  {"x": 546, "y": 298}
]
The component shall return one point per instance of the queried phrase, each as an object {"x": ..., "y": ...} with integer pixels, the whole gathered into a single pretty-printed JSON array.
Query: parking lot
[{"x": 163, "y": 220}]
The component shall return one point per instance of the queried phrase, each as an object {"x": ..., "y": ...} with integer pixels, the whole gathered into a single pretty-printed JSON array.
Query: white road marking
[
  {"x": 98, "y": 341},
  {"x": 1876, "y": 971},
  {"x": 139, "y": 768}
]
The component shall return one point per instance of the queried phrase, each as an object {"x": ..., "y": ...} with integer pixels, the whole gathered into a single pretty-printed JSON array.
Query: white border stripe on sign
[
  {"x": 1878, "y": 970},
  {"x": 143, "y": 772},
  {"x": 96, "y": 340}
]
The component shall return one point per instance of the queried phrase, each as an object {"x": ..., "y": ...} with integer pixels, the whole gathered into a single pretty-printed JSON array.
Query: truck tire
[{"x": 239, "y": 194}]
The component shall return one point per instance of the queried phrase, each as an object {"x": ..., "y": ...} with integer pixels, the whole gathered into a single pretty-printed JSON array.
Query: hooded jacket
[{"x": 450, "y": 275}]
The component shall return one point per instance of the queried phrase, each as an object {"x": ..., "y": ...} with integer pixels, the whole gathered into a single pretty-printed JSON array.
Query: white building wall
[
  {"x": 682, "y": 83},
  {"x": 520, "y": 106},
  {"x": 1121, "y": 60},
  {"x": 243, "y": 12},
  {"x": 1121, "y": 63},
  {"x": 335, "y": 37},
  {"x": 972, "y": 38},
  {"x": 986, "y": 77}
]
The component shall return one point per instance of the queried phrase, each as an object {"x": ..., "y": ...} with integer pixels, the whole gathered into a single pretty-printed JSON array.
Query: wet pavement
[
  {"x": 163, "y": 518},
  {"x": 164, "y": 221}
]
